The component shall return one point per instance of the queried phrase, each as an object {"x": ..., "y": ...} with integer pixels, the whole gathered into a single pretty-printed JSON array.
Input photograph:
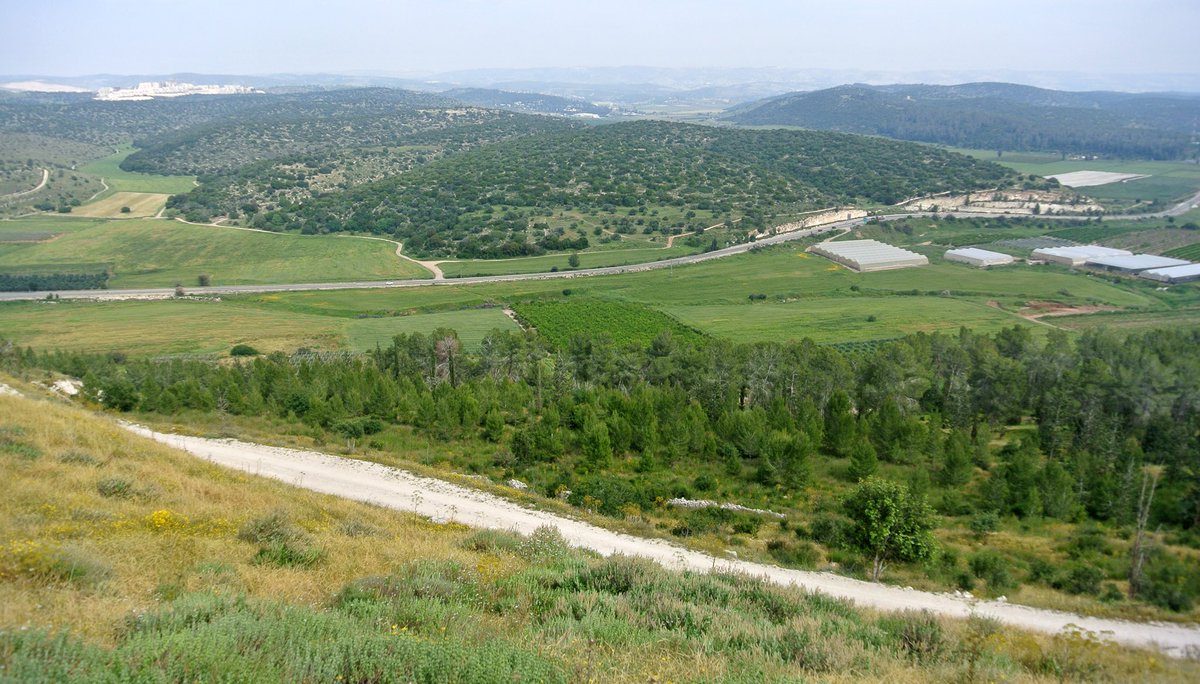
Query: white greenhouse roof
[
  {"x": 1137, "y": 262},
  {"x": 1081, "y": 252},
  {"x": 1190, "y": 271},
  {"x": 980, "y": 254},
  {"x": 869, "y": 251}
]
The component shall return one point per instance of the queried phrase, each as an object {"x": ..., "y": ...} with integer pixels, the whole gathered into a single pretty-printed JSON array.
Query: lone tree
[{"x": 889, "y": 523}]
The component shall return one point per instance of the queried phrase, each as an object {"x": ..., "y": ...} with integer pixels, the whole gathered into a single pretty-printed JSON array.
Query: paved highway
[{"x": 166, "y": 292}]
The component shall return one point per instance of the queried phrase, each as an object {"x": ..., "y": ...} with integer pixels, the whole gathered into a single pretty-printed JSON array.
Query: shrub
[
  {"x": 984, "y": 523},
  {"x": 993, "y": 568},
  {"x": 115, "y": 488},
  {"x": 830, "y": 531},
  {"x": 269, "y": 529},
  {"x": 357, "y": 528},
  {"x": 492, "y": 541},
  {"x": 545, "y": 544},
  {"x": 798, "y": 555},
  {"x": 78, "y": 458},
  {"x": 1169, "y": 582},
  {"x": 243, "y": 350},
  {"x": 1080, "y": 578},
  {"x": 288, "y": 555},
  {"x": 919, "y": 634}
]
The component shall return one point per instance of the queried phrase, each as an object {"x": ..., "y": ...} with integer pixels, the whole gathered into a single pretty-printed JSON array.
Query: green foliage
[
  {"x": 1169, "y": 582},
  {"x": 561, "y": 322},
  {"x": 116, "y": 488},
  {"x": 488, "y": 198},
  {"x": 863, "y": 462},
  {"x": 889, "y": 523},
  {"x": 243, "y": 350}
]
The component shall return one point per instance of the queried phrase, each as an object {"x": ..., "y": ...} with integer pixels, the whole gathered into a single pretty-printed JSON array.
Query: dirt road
[
  {"x": 42, "y": 184},
  {"x": 442, "y": 501}
]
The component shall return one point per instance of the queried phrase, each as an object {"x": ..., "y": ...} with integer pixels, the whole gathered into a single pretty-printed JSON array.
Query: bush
[
  {"x": 288, "y": 555},
  {"x": 492, "y": 541},
  {"x": 920, "y": 634},
  {"x": 984, "y": 523},
  {"x": 993, "y": 568},
  {"x": 275, "y": 527},
  {"x": 115, "y": 488},
  {"x": 798, "y": 555},
  {"x": 830, "y": 531},
  {"x": 78, "y": 458},
  {"x": 1080, "y": 578},
  {"x": 243, "y": 350},
  {"x": 1169, "y": 582}
]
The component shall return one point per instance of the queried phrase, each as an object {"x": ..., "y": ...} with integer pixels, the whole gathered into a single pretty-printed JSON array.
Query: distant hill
[
  {"x": 535, "y": 103},
  {"x": 1000, "y": 116},
  {"x": 490, "y": 201}
]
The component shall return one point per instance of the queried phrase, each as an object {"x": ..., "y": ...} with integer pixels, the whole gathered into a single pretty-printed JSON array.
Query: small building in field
[
  {"x": 979, "y": 258},
  {"x": 1173, "y": 274},
  {"x": 869, "y": 255},
  {"x": 1135, "y": 263},
  {"x": 1076, "y": 255}
]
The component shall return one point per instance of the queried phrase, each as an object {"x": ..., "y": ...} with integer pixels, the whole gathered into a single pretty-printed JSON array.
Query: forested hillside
[
  {"x": 1054, "y": 443},
  {"x": 505, "y": 199},
  {"x": 78, "y": 117},
  {"x": 536, "y": 103},
  {"x": 994, "y": 116}
]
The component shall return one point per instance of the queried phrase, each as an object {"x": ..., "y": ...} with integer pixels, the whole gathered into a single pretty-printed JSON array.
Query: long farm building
[{"x": 869, "y": 255}]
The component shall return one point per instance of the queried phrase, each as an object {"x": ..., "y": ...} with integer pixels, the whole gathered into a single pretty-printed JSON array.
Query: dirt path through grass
[{"x": 442, "y": 501}]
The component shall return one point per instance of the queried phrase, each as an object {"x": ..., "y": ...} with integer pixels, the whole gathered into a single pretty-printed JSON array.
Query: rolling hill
[
  {"x": 998, "y": 116},
  {"x": 512, "y": 198}
]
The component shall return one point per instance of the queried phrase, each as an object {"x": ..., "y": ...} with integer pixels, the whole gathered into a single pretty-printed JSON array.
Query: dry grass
[
  {"x": 141, "y": 205},
  {"x": 175, "y": 530}
]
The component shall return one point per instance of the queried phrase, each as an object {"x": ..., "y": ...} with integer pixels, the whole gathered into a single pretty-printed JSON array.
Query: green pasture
[
  {"x": 187, "y": 326},
  {"x": 472, "y": 325},
  {"x": 539, "y": 264},
  {"x": 844, "y": 318},
  {"x": 161, "y": 253},
  {"x": 120, "y": 180},
  {"x": 1169, "y": 180},
  {"x": 805, "y": 296}
]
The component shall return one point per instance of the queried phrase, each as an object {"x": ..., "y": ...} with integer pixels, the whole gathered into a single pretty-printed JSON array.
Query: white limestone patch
[{"x": 1086, "y": 179}]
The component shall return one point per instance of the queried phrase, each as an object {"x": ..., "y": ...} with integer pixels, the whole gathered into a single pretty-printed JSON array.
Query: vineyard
[
  {"x": 1190, "y": 252},
  {"x": 623, "y": 323},
  {"x": 1096, "y": 232}
]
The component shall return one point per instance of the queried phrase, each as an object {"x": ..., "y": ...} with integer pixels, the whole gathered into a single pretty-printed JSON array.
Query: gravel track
[{"x": 442, "y": 501}]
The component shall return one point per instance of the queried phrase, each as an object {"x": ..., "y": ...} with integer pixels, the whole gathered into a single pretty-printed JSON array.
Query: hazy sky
[{"x": 74, "y": 37}]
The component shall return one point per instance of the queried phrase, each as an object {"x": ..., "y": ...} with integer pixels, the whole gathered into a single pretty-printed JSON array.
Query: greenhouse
[{"x": 869, "y": 255}]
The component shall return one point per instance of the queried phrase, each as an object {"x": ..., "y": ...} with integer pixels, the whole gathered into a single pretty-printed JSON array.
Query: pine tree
[{"x": 863, "y": 460}]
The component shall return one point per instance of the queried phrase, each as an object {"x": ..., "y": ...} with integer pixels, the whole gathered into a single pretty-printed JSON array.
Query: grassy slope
[
  {"x": 205, "y": 327},
  {"x": 129, "y": 573},
  {"x": 161, "y": 253},
  {"x": 120, "y": 180}
]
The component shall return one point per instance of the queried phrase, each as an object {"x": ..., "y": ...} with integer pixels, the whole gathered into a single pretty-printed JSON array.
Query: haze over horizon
[{"x": 1105, "y": 37}]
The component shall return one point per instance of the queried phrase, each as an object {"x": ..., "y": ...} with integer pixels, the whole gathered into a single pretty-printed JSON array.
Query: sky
[{"x": 77, "y": 37}]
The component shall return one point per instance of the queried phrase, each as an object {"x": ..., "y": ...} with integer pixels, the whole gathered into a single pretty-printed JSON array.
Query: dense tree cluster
[
  {"x": 484, "y": 201},
  {"x": 994, "y": 116}
]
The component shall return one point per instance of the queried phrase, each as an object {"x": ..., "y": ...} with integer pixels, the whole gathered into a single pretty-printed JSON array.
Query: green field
[
  {"x": 1169, "y": 181},
  {"x": 622, "y": 322},
  {"x": 472, "y": 325},
  {"x": 161, "y": 253},
  {"x": 539, "y": 264},
  {"x": 119, "y": 180},
  {"x": 837, "y": 320},
  {"x": 806, "y": 296},
  {"x": 212, "y": 327}
]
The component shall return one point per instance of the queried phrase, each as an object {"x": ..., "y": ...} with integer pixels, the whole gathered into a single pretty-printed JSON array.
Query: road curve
[
  {"x": 398, "y": 489},
  {"x": 166, "y": 292}
]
